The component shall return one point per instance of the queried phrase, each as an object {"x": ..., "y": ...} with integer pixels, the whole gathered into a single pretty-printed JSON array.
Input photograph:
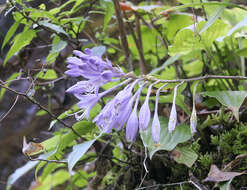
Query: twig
[
  {"x": 163, "y": 185},
  {"x": 49, "y": 161},
  {"x": 140, "y": 49},
  {"x": 41, "y": 107},
  {"x": 123, "y": 34},
  {"x": 51, "y": 82},
  {"x": 138, "y": 45},
  {"x": 153, "y": 79},
  {"x": 16, "y": 99}
]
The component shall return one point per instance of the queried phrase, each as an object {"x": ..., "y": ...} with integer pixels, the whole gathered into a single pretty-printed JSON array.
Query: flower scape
[{"x": 122, "y": 109}]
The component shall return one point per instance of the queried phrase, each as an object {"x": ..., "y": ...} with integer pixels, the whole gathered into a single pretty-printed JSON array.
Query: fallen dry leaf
[
  {"x": 216, "y": 175},
  {"x": 30, "y": 148}
]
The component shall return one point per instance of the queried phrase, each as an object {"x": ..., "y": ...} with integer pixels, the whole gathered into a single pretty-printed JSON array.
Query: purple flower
[
  {"x": 132, "y": 123},
  {"x": 93, "y": 68},
  {"x": 104, "y": 119},
  {"x": 81, "y": 87},
  {"x": 145, "y": 114},
  {"x": 87, "y": 102},
  {"x": 156, "y": 122},
  {"x": 173, "y": 115},
  {"x": 117, "y": 111},
  {"x": 123, "y": 105}
]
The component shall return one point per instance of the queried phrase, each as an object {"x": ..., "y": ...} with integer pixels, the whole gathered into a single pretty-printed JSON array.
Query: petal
[{"x": 74, "y": 61}]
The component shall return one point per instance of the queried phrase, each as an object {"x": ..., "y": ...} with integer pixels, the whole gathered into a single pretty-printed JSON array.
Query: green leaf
[
  {"x": 49, "y": 74},
  {"x": 41, "y": 113},
  {"x": 187, "y": 41},
  {"x": 54, "y": 180},
  {"x": 78, "y": 151},
  {"x": 212, "y": 3},
  {"x": 242, "y": 52},
  {"x": 234, "y": 29},
  {"x": 10, "y": 33},
  {"x": 232, "y": 99},
  {"x": 168, "y": 141},
  {"x": 109, "y": 12},
  {"x": 24, "y": 169},
  {"x": 185, "y": 155},
  {"x": 57, "y": 46},
  {"x": 169, "y": 61},
  {"x": 211, "y": 20},
  {"x": 53, "y": 27},
  {"x": 21, "y": 40},
  {"x": 38, "y": 14}
]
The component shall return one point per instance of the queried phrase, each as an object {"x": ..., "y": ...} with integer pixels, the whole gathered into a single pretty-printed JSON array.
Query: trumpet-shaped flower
[
  {"x": 93, "y": 68},
  {"x": 156, "y": 122},
  {"x": 117, "y": 111},
  {"x": 132, "y": 123},
  {"x": 145, "y": 114},
  {"x": 87, "y": 102}
]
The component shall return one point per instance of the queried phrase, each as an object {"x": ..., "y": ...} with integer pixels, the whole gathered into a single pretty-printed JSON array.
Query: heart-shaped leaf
[
  {"x": 168, "y": 141},
  {"x": 232, "y": 99}
]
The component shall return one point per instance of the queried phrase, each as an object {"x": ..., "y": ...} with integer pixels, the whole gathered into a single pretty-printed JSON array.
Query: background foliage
[{"x": 167, "y": 39}]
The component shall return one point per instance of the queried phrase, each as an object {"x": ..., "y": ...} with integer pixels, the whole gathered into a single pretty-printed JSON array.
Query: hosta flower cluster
[{"x": 122, "y": 109}]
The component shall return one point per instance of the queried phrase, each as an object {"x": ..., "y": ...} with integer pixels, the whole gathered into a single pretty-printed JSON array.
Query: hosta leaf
[
  {"x": 168, "y": 141},
  {"x": 232, "y": 99},
  {"x": 184, "y": 155},
  {"x": 20, "y": 41}
]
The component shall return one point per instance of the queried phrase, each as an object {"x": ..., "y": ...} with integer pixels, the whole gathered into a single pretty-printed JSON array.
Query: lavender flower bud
[
  {"x": 145, "y": 114},
  {"x": 193, "y": 121},
  {"x": 193, "y": 118},
  {"x": 132, "y": 124},
  {"x": 156, "y": 128},
  {"x": 173, "y": 115},
  {"x": 156, "y": 122}
]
